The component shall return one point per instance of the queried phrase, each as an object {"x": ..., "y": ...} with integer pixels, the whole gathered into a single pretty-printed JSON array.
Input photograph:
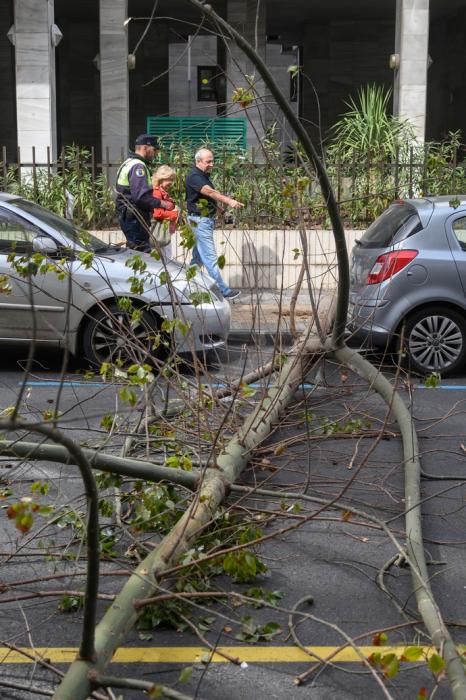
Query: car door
[
  {"x": 31, "y": 305},
  {"x": 456, "y": 232}
]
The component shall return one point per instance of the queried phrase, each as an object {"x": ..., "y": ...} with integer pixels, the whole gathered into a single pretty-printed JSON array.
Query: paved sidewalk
[{"x": 261, "y": 316}]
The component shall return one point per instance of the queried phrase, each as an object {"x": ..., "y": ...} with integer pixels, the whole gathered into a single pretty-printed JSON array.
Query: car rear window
[{"x": 396, "y": 223}]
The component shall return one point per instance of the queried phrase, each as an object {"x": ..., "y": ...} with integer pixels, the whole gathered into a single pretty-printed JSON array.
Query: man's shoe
[{"x": 232, "y": 294}]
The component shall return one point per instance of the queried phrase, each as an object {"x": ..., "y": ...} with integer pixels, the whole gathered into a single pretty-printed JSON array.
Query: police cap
[{"x": 147, "y": 140}]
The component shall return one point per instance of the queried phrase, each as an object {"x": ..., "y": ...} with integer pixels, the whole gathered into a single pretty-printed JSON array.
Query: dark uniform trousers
[{"x": 137, "y": 237}]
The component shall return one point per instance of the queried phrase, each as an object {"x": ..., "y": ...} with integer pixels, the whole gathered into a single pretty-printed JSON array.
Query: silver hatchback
[
  {"x": 408, "y": 280},
  {"x": 61, "y": 286}
]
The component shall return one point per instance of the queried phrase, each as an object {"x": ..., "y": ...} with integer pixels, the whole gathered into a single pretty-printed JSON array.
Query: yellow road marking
[{"x": 177, "y": 655}]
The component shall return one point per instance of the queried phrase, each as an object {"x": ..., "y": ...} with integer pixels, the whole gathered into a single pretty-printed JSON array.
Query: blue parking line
[
  {"x": 50, "y": 382},
  {"x": 441, "y": 386},
  {"x": 256, "y": 386}
]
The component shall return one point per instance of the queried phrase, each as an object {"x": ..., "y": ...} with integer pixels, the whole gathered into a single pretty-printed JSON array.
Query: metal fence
[
  {"x": 270, "y": 189},
  {"x": 84, "y": 157}
]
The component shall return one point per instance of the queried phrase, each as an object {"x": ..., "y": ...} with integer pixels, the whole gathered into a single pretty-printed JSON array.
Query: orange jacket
[{"x": 164, "y": 214}]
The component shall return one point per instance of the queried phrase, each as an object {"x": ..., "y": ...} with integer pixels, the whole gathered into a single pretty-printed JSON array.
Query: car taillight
[{"x": 389, "y": 264}]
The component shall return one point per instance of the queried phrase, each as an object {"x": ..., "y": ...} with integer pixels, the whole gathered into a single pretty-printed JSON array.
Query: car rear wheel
[
  {"x": 113, "y": 335},
  {"x": 435, "y": 339}
]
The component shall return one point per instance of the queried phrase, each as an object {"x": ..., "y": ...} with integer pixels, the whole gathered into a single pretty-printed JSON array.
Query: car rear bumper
[{"x": 363, "y": 324}]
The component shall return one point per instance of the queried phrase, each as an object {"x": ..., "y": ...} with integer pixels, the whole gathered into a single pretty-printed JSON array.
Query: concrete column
[
  {"x": 242, "y": 15},
  {"x": 34, "y": 36},
  {"x": 114, "y": 80},
  {"x": 411, "y": 61}
]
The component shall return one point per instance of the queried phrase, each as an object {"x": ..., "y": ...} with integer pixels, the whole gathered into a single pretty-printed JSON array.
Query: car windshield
[
  {"x": 77, "y": 235},
  {"x": 396, "y": 223}
]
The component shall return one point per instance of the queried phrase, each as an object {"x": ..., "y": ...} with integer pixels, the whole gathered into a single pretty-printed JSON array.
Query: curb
[{"x": 243, "y": 336}]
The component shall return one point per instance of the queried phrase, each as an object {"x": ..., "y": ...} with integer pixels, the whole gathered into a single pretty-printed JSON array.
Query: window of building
[{"x": 206, "y": 83}]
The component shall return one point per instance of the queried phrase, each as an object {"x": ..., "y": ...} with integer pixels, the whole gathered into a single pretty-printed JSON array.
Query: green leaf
[
  {"x": 125, "y": 303},
  {"x": 271, "y": 629},
  {"x": 70, "y": 604},
  {"x": 198, "y": 298},
  {"x": 247, "y": 391},
  {"x": 128, "y": 396},
  {"x": 379, "y": 639},
  {"x": 107, "y": 421},
  {"x": 145, "y": 636},
  {"x": 40, "y": 487},
  {"x": 412, "y": 653},
  {"x": 86, "y": 258},
  {"x": 433, "y": 380},
  {"x": 185, "y": 674},
  {"x": 436, "y": 663},
  {"x": 390, "y": 664}
]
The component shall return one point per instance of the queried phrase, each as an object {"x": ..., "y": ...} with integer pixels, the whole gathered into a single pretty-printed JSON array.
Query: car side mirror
[{"x": 44, "y": 245}]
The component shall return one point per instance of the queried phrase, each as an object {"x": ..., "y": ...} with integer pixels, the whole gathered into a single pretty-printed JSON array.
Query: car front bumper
[{"x": 207, "y": 325}]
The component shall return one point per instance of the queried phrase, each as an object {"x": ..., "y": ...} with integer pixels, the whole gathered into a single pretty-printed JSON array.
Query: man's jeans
[{"x": 204, "y": 252}]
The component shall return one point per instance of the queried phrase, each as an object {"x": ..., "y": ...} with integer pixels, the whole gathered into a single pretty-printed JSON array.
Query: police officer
[{"x": 135, "y": 201}]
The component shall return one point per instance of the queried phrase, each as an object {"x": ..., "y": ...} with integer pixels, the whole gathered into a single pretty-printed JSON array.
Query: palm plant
[
  {"x": 371, "y": 151},
  {"x": 367, "y": 130}
]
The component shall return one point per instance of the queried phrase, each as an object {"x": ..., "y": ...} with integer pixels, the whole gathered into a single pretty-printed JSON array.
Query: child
[{"x": 162, "y": 180}]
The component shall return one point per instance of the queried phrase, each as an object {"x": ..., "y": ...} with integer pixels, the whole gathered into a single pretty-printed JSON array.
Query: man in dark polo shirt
[{"x": 201, "y": 200}]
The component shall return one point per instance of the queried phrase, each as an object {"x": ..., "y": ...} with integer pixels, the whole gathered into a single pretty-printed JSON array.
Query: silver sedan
[{"x": 61, "y": 286}]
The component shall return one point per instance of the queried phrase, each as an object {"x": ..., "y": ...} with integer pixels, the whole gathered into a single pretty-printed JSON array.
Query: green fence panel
[{"x": 222, "y": 132}]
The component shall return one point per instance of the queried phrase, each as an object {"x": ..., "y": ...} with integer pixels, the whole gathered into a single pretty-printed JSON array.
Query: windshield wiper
[{"x": 106, "y": 248}]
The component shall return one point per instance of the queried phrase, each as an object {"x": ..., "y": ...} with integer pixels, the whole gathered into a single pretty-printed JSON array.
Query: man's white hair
[{"x": 199, "y": 155}]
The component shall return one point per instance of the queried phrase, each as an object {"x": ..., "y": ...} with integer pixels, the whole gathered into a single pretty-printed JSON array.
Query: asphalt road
[{"x": 329, "y": 555}]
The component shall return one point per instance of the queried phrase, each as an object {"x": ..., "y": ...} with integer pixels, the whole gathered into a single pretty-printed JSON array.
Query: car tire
[
  {"x": 111, "y": 336},
  {"x": 435, "y": 340}
]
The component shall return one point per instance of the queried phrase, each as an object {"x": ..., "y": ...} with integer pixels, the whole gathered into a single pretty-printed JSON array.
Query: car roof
[
  {"x": 452, "y": 201},
  {"x": 426, "y": 206},
  {"x": 6, "y": 197}
]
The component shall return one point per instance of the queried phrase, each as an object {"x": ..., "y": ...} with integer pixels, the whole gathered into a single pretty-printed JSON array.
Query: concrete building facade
[{"x": 91, "y": 72}]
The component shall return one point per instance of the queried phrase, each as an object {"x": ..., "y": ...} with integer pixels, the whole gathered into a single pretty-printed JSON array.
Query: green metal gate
[{"x": 228, "y": 134}]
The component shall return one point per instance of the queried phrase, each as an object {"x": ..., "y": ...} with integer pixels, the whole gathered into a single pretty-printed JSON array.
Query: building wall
[
  {"x": 77, "y": 76},
  {"x": 245, "y": 16},
  {"x": 446, "y": 96},
  {"x": 148, "y": 83},
  {"x": 339, "y": 58},
  {"x": 183, "y": 100},
  {"x": 8, "y": 136},
  {"x": 278, "y": 63}
]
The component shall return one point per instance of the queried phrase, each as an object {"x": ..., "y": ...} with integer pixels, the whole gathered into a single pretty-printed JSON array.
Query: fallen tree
[{"x": 213, "y": 482}]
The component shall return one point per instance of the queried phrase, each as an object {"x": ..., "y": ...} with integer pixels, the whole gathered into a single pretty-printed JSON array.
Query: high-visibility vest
[{"x": 123, "y": 171}]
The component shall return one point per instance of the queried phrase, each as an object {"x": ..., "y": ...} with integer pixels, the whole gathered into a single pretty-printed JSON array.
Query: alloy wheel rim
[
  {"x": 435, "y": 342},
  {"x": 115, "y": 337}
]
